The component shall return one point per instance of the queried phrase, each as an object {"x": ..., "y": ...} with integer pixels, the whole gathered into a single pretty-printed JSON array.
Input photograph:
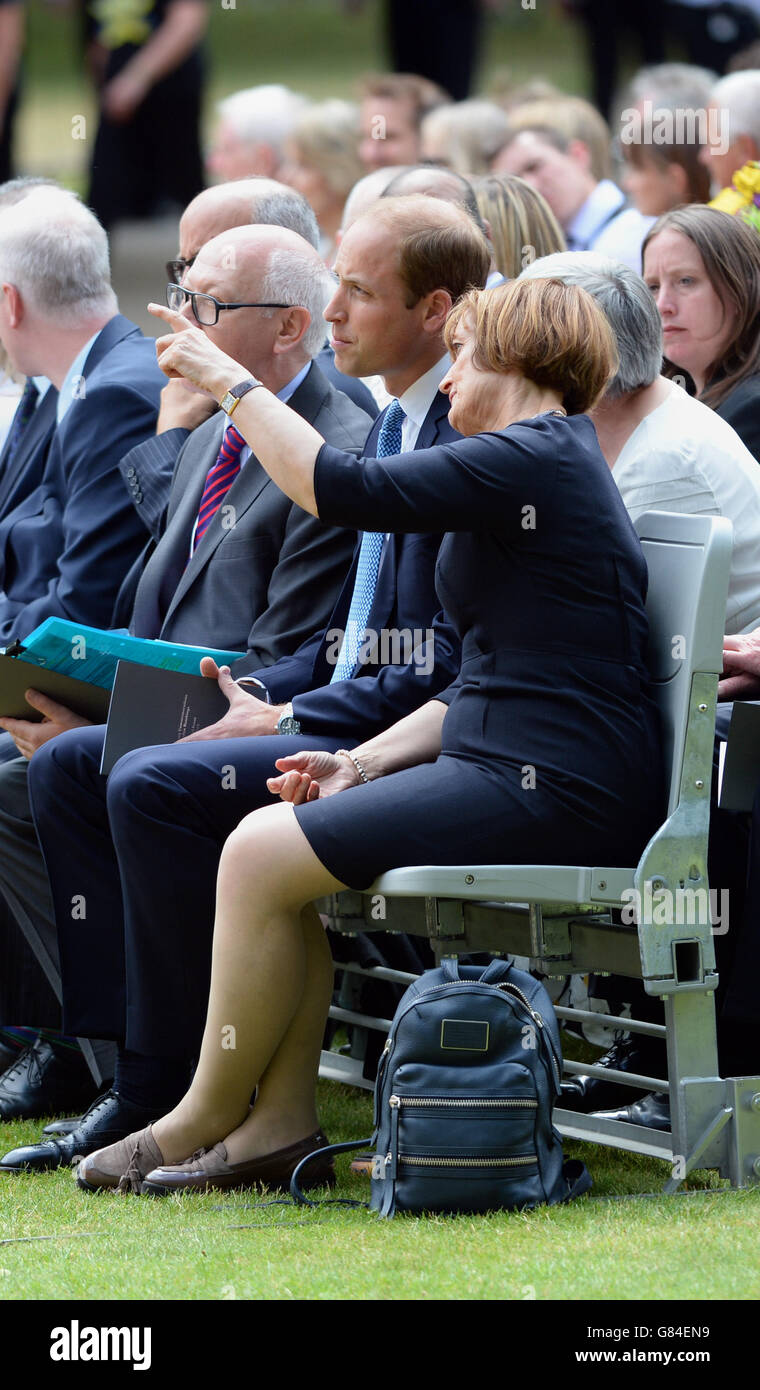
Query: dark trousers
[
  {"x": 132, "y": 863},
  {"x": 438, "y": 39}
]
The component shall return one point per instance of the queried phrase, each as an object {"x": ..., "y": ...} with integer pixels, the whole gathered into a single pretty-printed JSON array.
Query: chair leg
[{"x": 715, "y": 1123}]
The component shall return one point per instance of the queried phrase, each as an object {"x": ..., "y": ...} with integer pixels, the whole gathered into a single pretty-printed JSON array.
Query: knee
[{"x": 257, "y": 857}]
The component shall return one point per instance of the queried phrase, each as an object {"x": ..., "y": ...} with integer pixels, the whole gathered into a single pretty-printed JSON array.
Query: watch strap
[{"x": 230, "y": 399}]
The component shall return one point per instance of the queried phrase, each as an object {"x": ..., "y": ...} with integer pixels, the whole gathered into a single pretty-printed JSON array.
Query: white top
[
  {"x": 685, "y": 458},
  {"x": 595, "y": 228}
]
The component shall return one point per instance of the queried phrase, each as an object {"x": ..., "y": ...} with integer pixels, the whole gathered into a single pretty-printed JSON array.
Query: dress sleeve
[{"x": 479, "y": 484}]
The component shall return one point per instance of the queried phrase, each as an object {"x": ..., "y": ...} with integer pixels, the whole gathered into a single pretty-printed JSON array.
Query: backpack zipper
[
  {"x": 489, "y": 1103},
  {"x": 422, "y": 1161}
]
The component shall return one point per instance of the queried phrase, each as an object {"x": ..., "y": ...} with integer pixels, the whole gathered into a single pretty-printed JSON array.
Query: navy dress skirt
[{"x": 550, "y": 744}]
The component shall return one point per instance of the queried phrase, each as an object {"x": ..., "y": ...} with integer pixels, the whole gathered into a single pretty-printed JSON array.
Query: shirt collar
[
  {"x": 605, "y": 199},
  {"x": 70, "y": 386},
  {"x": 418, "y": 398},
  {"x": 293, "y": 385},
  {"x": 43, "y": 384}
]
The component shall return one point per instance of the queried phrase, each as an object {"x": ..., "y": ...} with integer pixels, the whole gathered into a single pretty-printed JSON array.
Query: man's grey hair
[
  {"x": 627, "y": 304},
  {"x": 15, "y": 190},
  {"x": 672, "y": 86},
  {"x": 739, "y": 96},
  {"x": 292, "y": 277},
  {"x": 280, "y": 206},
  {"x": 54, "y": 250},
  {"x": 263, "y": 115}
]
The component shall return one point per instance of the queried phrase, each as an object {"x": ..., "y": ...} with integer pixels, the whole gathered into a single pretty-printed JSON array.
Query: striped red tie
[{"x": 220, "y": 478}]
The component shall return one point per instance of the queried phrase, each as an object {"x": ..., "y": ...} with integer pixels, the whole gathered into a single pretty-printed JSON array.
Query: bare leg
[{"x": 271, "y": 980}]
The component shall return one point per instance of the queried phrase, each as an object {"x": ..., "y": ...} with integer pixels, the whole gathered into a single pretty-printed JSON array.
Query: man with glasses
[
  {"x": 238, "y": 565},
  {"x": 243, "y": 203}
]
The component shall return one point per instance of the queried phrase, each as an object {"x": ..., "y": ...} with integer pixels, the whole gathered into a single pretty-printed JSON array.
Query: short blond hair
[
  {"x": 562, "y": 119},
  {"x": 551, "y": 333},
  {"x": 327, "y": 139}
]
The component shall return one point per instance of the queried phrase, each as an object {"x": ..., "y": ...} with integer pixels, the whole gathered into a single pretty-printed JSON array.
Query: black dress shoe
[
  {"x": 653, "y": 1112},
  {"x": 590, "y": 1094},
  {"x": 58, "y": 1127},
  {"x": 8, "y": 1056},
  {"x": 108, "y": 1119},
  {"x": 45, "y": 1080}
]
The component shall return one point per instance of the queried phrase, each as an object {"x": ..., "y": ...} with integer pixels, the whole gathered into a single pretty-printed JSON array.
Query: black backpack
[{"x": 464, "y": 1095}]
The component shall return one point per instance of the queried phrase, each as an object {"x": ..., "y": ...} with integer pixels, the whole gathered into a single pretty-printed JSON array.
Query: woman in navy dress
[{"x": 545, "y": 750}]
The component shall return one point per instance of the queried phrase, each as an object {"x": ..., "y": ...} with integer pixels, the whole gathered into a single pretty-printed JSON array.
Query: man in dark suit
[
  {"x": 398, "y": 274},
  {"x": 67, "y": 542},
  {"x": 257, "y": 574}
]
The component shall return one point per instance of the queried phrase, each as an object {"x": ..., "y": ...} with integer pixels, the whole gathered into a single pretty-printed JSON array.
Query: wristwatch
[
  {"x": 229, "y": 401},
  {"x": 286, "y": 724}
]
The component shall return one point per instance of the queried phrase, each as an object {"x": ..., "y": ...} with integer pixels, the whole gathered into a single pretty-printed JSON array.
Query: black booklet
[
  {"x": 739, "y": 766},
  {"x": 89, "y": 701},
  {"x": 150, "y": 705}
]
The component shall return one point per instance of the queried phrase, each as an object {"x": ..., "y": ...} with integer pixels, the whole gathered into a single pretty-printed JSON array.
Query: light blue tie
[{"x": 368, "y": 563}]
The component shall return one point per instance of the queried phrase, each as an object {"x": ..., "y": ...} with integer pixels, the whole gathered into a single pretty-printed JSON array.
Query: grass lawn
[{"x": 609, "y": 1245}]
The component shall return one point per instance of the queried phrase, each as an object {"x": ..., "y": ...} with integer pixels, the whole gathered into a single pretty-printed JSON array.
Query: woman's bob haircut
[{"x": 551, "y": 333}]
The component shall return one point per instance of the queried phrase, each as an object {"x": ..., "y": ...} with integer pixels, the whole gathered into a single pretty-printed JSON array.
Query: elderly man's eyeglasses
[
  {"x": 206, "y": 309},
  {"x": 176, "y": 269}
]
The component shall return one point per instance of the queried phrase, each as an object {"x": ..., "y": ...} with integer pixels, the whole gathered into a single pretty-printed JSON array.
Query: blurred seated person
[
  {"x": 392, "y": 108},
  {"x": 447, "y": 784},
  {"x": 521, "y": 224},
  {"x": 671, "y": 99},
  {"x": 703, "y": 268},
  {"x": 251, "y": 130},
  {"x": 464, "y": 136},
  {"x": 322, "y": 163},
  {"x": 734, "y": 115},
  {"x": 592, "y": 211},
  {"x": 148, "y": 67},
  {"x": 667, "y": 451}
]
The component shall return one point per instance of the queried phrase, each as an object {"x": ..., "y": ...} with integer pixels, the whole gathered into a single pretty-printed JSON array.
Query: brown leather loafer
[
  {"x": 121, "y": 1166},
  {"x": 209, "y": 1169}
]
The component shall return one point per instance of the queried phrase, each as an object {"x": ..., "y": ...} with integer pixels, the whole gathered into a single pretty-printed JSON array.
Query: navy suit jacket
[
  {"x": 20, "y": 475},
  {"x": 67, "y": 544},
  {"x": 405, "y": 600}
]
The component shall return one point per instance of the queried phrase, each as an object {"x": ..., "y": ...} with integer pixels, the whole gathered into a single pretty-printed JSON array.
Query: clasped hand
[{"x": 307, "y": 776}]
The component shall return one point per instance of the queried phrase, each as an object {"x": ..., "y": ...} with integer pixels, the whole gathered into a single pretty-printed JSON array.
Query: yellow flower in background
[
  {"x": 122, "y": 21},
  {"x": 742, "y": 199}
]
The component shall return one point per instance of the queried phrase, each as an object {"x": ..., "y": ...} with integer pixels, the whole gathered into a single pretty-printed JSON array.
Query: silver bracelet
[{"x": 344, "y": 753}]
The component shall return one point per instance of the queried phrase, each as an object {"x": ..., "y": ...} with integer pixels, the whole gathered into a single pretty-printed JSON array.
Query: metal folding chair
[{"x": 568, "y": 918}]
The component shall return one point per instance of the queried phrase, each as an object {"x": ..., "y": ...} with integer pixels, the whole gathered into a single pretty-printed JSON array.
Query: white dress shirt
[{"x": 595, "y": 226}]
